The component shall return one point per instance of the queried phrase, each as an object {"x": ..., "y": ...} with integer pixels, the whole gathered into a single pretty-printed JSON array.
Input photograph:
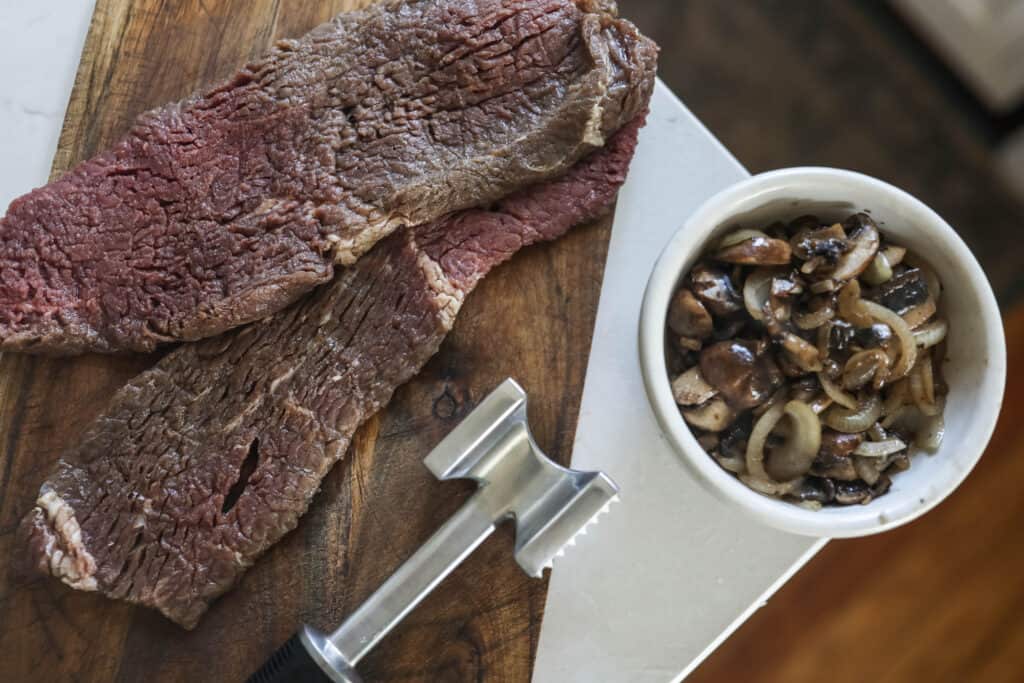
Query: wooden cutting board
[{"x": 531, "y": 319}]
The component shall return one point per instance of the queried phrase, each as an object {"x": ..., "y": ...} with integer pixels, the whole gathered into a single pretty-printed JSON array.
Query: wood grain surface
[{"x": 531, "y": 319}]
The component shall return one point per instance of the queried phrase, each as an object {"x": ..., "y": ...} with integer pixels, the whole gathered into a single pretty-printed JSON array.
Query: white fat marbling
[{"x": 40, "y": 44}]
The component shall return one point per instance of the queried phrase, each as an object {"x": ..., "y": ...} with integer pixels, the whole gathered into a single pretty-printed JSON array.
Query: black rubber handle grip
[{"x": 291, "y": 663}]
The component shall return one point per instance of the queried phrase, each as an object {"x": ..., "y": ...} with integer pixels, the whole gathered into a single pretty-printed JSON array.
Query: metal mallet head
[{"x": 551, "y": 506}]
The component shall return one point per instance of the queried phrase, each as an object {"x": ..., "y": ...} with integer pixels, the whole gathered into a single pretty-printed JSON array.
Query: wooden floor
[
  {"x": 825, "y": 82},
  {"x": 807, "y": 82}
]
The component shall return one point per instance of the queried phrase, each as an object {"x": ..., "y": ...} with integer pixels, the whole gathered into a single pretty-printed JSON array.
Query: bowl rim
[{"x": 691, "y": 238}]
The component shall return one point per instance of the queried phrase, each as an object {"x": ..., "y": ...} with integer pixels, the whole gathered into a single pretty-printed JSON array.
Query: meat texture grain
[
  {"x": 226, "y": 207},
  {"x": 153, "y": 507}
]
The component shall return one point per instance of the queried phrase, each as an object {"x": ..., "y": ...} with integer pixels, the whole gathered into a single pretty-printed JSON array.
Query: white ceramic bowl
[{"x": 975, "y": 371}]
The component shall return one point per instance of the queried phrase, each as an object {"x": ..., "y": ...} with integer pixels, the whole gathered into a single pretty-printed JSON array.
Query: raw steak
[
  {"x": 203, "y": 462},
  {"x": 228, "y": 206}
]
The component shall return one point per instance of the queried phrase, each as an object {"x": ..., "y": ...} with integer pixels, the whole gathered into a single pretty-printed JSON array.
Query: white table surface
[
  {"x": 40, "y": 43},
  {"x": 669, "y": 573}
]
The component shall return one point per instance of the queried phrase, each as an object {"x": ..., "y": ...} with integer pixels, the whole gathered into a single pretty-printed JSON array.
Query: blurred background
[{"x": 929, "y": 95}]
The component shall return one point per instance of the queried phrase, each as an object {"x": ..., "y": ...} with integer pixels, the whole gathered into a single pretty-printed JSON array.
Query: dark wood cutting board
[{"x": 531, "y": 319}]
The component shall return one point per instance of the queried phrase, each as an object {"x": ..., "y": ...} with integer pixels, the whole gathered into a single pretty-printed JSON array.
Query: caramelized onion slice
[
  {"x": 756, "y": 290},
  {"x": 922, "y": 386},
  {"x": 931, "y": 334},
  {"x": 759, "y": 435},
  {"x": 835, "y": 393},
  {"x": 851, "y": 306},
  {"x": 908, "y": 346},
  {"x": 879, "y": 271},
  {"x": 793, "y": 459},
  {"x": 863, "y": 367},
  {"x": 880, "y": 449},
  {"x": 856, "y": 420},
  {"x": 814, "y": 319},
  {"x": 769, "y": 487},
  {"x": 930, "y": 432}
]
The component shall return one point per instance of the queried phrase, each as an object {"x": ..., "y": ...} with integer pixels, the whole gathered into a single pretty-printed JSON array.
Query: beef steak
[
  {"x": 203, "y": 462},
  {"x": 226, "y": 207}
]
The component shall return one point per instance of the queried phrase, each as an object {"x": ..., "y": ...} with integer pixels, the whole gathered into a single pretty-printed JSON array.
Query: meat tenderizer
[{"x": 493, "y": 446}]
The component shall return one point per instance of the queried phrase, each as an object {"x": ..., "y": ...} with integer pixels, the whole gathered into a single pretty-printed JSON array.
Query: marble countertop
[{"x": 40, "y": 44}]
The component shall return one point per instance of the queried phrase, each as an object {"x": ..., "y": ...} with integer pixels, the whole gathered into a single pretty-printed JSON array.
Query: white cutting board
[{"x": 669, "y": 572}]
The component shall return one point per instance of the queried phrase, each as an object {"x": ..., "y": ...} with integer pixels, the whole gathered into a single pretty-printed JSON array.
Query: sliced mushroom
[
  {"x": 840, "y": 469},
  {"x": 898, "y": 462},
  {"x": 756, "y": 250},
  {"x": 743, "y": 371},
  {"x": 811, "y": 265},
  {"x": 877, "y": 335},
  {"x": 688, "y": 317},
  {"x": 784, "y": 291},
  {"x": 675, "y": 360},
  {"x": 881, "y": 487},
  {"x": 728, "y": 328},
  {"x": 689, "y": 343},
  {"x": 835, "y": 455},
  {"x": 815, "y": 489},
  {"x": 713, "y": 416},
  {"x": 801, "y": 352},
  {"x": 690, "y": 389},
  {"x": 903, "y": 292},
  {"x": 780, "y": 309},
  {"x": 733, "y": 443},
  {"x": 786, "y": 286},
  {"x": 839, "y": 444},
  {"x": 713, "y": 287},
  {"x": 709, "y": 441},
  {"x": 852, "y": 492},
  {"x": 867, "y": 469},
  {"x": 827, "y": 244},
  {"x": 864, "y": 240},
  {"x": 841, "y": 335}
]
